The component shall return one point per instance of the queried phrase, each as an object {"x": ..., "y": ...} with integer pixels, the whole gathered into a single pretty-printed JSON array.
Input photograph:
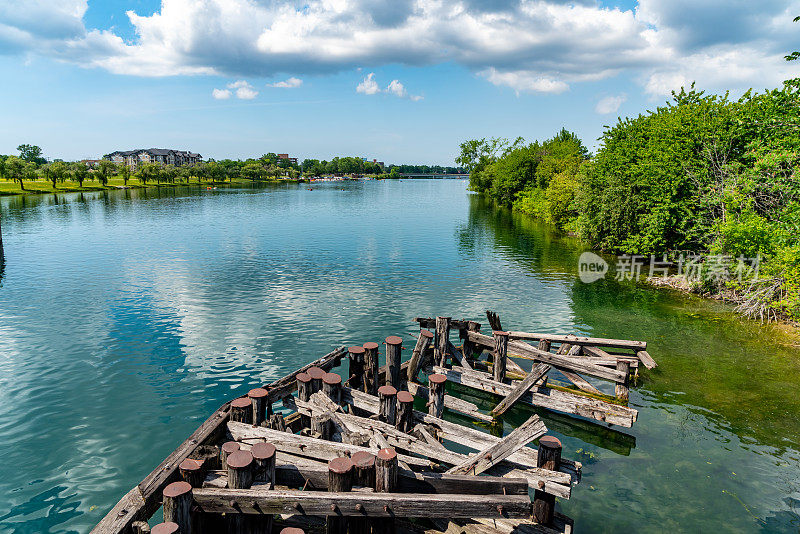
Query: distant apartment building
[
  {"x": 162, "y": 156},
  {"x": 293, "y": 161},
  {"x": 91, "y": 163}
]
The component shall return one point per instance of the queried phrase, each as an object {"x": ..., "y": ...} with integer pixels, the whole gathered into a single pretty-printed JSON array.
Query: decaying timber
[{"x": 371, "y": 449}]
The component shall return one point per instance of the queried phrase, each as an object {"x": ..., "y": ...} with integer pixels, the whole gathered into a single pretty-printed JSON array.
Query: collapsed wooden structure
[{"x": 374, "y": 453}]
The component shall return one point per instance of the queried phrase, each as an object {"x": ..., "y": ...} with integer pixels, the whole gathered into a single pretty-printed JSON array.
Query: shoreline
[{"x": 114, "y": 187}]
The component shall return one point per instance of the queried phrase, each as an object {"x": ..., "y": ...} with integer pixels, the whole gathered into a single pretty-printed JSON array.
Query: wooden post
[
  {"x": 441, "y": 341},
  {"x": 394, "y": 349},
  {"x": 470, "y": 348},
  {"x": 332, "y": 387},
  {"x": 304, "y": 394},
  {"x": 264, "y": 459},
  {"x": 424, "y": 340},
  {"x": 262, "y": 408},
  {"x": 356, "y": 356},
  {"x": 192, "y": 472},
  {"x": 500, "y": 355},
  {"x": 364, "y": 476},
  {"x": 371, "y": 368},
  {"x": 242, "y": 410},
  {"x": 436, "y": 384},
  {"x": 340, "y": 479},
  {"x": 161, "y": 528},
  {"x": 549, "y": 457},
  {"x": 405, "y": 411},
  {"x": 322, "y": 425},
  {"x": 293, "y": 530},
  {"x": 544, "y": 345},
  {"x": 178, "y": 506},
  {"x": 240, "y": 470},
  {"x": 388, "y": 404},
  {"x": 228, "y": 448},
  {"x": 141, "y": 527},
  {"x": 621, "y": 390},
  {"x": 385, "y": 482},
  {"x": 316, "y": 375}
]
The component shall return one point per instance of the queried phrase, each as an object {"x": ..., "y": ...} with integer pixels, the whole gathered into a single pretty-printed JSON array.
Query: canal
[{"x": 126, "y": 317}]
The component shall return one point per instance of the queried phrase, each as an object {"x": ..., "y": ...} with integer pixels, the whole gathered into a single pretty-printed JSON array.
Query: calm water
[{"x": 125, "y": 318}]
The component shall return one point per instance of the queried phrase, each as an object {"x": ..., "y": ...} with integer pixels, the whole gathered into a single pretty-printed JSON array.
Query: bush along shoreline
[{"x": 706, "y": 184}]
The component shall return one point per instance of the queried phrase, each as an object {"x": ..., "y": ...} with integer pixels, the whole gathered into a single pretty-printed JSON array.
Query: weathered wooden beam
[
  {"x": 583, "y": 365},
  {"x": 423, "y": 342},
  {"x": 646, "y": 359},
  {"x": 577, "y": 340},
  {"x": 518, "y": 438},
  {"x": 454, "y": 404},
  {"x": 552, "y": 399},
  {"x": 430, "y": 322},
  {"x": 523, "y": 387},
  {"x": 494, "y": 320},
  {"x": 356, "y": 504},
  {"x": 579, "y": 381}
]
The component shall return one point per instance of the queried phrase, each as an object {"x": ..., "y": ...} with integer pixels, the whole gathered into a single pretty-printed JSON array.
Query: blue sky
[{"x": 399, "y": 80}]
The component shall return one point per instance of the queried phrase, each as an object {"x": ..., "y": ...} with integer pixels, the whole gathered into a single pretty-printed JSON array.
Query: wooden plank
[
  {"x": 430, "y": 322},
  {"x": 523, "y": 387},
  {"x": 583, "y": 365},
  {"x": 579, "y": 381},
  {"x": 530, "y": 430},
  {"x": 261, "y": 501},
  {"x": 577, "y": 340},
  {"x": 646, "y": 359},
  {"x": 458, "y": 356},
  {"x": 455, "y": 404},
  {"x": 123, "y": 514},
  {"x": 552, "y": 399}
]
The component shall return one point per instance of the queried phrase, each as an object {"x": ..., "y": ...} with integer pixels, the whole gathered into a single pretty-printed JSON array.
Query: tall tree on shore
[
  {"x": 80, "y": 171},
  {"x": 31, "y": 153},
  {"x": 15, "y": 170},
  {"x": 125, "y": 172},
  {"x": 105, "y": 169}
]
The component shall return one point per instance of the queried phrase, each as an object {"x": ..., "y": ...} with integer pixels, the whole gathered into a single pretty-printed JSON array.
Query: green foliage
[{"x": 31, "y": 154}]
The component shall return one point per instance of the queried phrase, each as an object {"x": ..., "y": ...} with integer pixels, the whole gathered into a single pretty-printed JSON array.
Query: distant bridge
[{"x": 443, "y": 176}]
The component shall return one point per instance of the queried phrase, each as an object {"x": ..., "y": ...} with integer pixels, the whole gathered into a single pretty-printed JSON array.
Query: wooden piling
[
  {"x": 332, "y": 387},
  {"x": 241, "y": 475},
  {"x": 371, "y": 368},
  {"x": 340, "y": 479},
  {"x": 316, "y": 375},
  {"x": 436, "y": 386},
  {"x": 364, "y": 476},
  {"x": 262, "y": 408},
  {"x": 356, "y": 357},
  {"x": 264, "y": 459},
  {"x": 549, "y": 457},
  {"x": 388, "y": 404},
  {"x": 240, "y": 470},
  {"x": 322, "y": 427},
  {"x": 177, "y": 504},
  {"x": 161, "y": 528},
  {"x": 544, "y": 345},
  {"x": 424, "y": 341},
  {"x": 304, "y": 394},
  {"x": 192, "y": 472},
  {"x": 293, "y": 530},
  {"x": 242, "y": 410},
  {"x": 405, "y": 411},
  {"x": 385, "y": 482},
  {"x": 394, "y": 349},
  {"x": 141, "y": 527},
  {"x": 500, "y": 355},
  {"x": 442, "y": 338},
  {"x": 228, "y": 448},
  {"x": 621, "y": 389},
  {"x": 470, "y": 348}
]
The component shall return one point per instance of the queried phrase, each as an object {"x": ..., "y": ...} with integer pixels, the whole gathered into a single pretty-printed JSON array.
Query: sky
[{"x": 402, "y": 81}]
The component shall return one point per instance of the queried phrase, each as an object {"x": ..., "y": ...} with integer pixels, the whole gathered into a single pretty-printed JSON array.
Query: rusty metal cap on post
[
  {"x": 437, "y": 379},
  {"x": 165, "y": 528},
  {"x": 230, "y": 447},
  {"x": 550, "y": 442},
  {"x": 241, "y": 402},
  {"x": 315, "y": 373},
  {"x": 404, "y": 396},
  {"x": 190, "y": 464},
  {"x": 499, "y": 333},
  {"x": 240, "y": 459},
  {"x": 387, "y": 390},
  {"x": 332, "y": 378},
  {"x": 262, "y": 451},
  {"x": 426, "y": 333},
  {"x": 176, "y": 489},
  {"x": 293, "y": 530},
  {"x": 363, "y": 459},
  {"x": 340, "y": 465},
  {"x": 356, "y": 349},
  {"x": 394, "y": 340},
  {"x": 303, "y": 377},
  {"x": 370, "y": 345},
  {"x": 387, "y": 454},
  {"x": 257, "y": 393}
]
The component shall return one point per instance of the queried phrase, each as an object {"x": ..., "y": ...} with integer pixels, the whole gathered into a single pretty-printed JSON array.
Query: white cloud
[
  {"x": 221, "y": 94},
  {"x": 610, "y": 104},
  {"x": 527, "y": 45},
  {"x": 291, "y": 83},
  {"x": 397, "y": 89},
  {"x": 368, "y": 85}
]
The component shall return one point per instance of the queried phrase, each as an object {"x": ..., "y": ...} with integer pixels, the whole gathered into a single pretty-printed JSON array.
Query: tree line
[{"x": 702, "y": 173}]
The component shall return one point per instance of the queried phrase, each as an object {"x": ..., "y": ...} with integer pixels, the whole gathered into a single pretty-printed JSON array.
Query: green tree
[
  {"x": 31, "y": 153},
  {"x": 80, "y": 171},
  {"x": 15, "y": 170},
  {"x": 105, "y": 169},
  {"x": 794, "y": 55},
  {"x": 125, "y": 172}
]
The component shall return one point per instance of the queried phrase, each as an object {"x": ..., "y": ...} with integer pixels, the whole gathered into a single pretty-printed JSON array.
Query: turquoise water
[{"x": 126, "y": 317}]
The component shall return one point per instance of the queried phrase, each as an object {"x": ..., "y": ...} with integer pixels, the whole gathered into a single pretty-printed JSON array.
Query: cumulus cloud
[
  {"x": 291, "y": 83},
  {"x": 397, "y": 89},
  {"x": 610, "y": 104},
  {"x": 242, "y": 89},
  {"x": 368, "y": 85},
  {"x": 221, "y": 94},
  {"x": 527, "y": 45}
]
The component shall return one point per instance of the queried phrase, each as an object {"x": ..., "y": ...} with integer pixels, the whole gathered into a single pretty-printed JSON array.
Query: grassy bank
[
  {"x": 702, "y": 178},
  {"x": 40, "y": 187}
]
